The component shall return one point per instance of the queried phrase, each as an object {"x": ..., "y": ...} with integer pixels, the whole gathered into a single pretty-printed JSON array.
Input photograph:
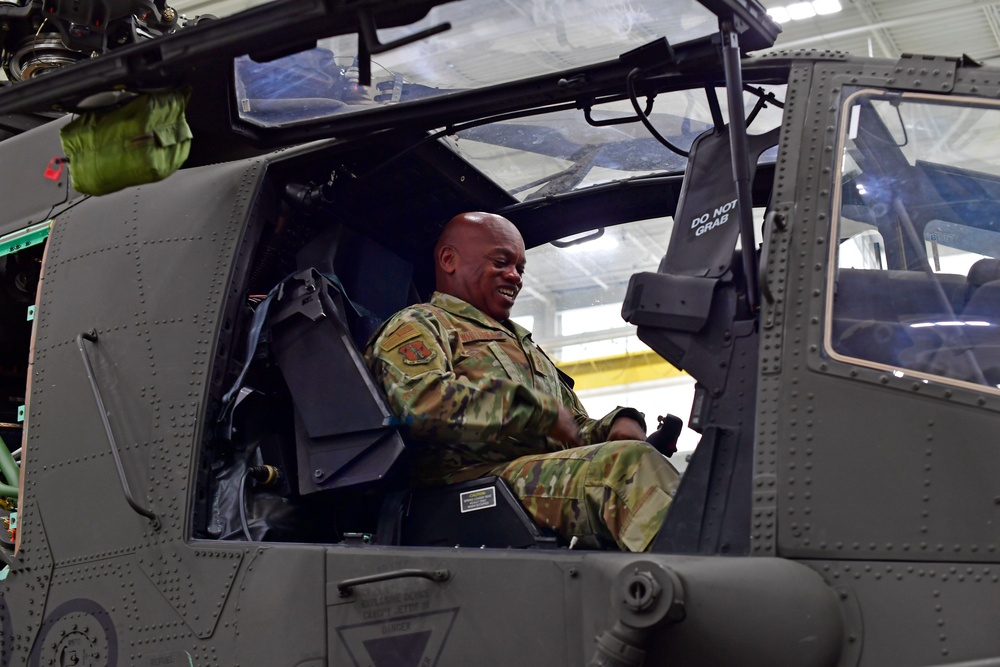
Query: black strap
[
  {"x": 359, "y": 310},
  {"x": 253, "y": 338},
  {"x": 258, "y": 323}
]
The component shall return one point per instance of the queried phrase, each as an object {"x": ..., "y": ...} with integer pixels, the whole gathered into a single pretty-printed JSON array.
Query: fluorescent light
[
  {"x": 804, "y": 10},
  {"x": 801, "y": 10},
  {"x": 826, "y": 6},
  {"x": 779, "y": 14},
  {"x": 951, "y": 323}
]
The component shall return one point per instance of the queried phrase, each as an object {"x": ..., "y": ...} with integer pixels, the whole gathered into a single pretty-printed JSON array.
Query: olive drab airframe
[{"x": 208, "y": 474}]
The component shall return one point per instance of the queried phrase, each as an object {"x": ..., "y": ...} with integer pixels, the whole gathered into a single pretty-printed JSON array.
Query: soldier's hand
[
  {"x": 626, "y": 428},
  {"x": 565, "y": 429}
]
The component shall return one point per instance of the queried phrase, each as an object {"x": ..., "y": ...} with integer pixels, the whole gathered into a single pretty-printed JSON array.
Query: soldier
[{"x": 479, "y": 398}]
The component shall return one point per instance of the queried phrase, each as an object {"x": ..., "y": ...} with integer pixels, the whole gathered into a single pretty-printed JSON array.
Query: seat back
[
  {"x": 984, "y": 271},
  {"x": 344, "y": 432},
  {"x": 379, "y": 282},
  {"x": 874, "y": 310}
]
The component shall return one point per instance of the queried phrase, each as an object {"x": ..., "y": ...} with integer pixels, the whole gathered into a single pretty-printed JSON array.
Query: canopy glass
[
  {"x": 489, "y": 43},
  {"x": 492, "y": 43}
]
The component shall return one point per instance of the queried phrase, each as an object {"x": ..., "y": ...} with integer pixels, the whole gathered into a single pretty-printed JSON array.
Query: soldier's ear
[{"x": 447, "y": 259}]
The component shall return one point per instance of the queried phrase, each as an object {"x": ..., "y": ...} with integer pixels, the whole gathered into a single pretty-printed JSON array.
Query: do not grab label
[
  {"x": 712, "y": 219},
  {"x": 480, "y": 499}
]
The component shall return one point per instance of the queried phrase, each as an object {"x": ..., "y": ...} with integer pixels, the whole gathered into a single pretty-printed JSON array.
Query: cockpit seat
[
  {"x": 344, "y": 431},
  {"x": 346, "y": 438},
  {"x": 477, "y": 513},
  {"x": 985, "y": 303},
  {"x": 320, "y": 321},
  {"x": 874, "y": 311},
  {"x": 984, "y": 271},
  {"x": 984, "y": 284},
  {"x": 893, "y": 295}
]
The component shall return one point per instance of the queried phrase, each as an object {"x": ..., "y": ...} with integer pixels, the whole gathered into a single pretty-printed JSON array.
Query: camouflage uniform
[{"x": 481, "y": 398}]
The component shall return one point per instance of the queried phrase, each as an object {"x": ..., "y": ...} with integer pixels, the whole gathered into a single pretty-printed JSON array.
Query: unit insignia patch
[{"x": 415, "y": 352}]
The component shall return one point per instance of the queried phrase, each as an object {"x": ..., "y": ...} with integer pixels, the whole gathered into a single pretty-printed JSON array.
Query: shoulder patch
[
  {"x": 481, "y": 334},
  {"x": 399, "y": 336},
  {"x": 415, "y": 352}
]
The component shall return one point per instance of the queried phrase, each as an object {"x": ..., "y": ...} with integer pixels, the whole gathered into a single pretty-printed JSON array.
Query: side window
[{"x": 916, "y": 277}]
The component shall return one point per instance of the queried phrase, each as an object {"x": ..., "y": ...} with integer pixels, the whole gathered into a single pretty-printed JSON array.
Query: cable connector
[{"x": 265, "y": 475}]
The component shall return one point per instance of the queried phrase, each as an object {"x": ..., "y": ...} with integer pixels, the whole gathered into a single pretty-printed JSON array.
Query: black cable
[
  {"x": 716, "y": 110},
  {"x": 617, "y": 121},
  {"x": 902, "y": 125},
  {"x": 764, "y": 95},
  {"x": 761, "y": 104},
  {"x": 52, "y": 211},
  {"x": 265, "y": 476},
  {"x": 243, "y": 505},
  {"x": 630, "y": 83}
]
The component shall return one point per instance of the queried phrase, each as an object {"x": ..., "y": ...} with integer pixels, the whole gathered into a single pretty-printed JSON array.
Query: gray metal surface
[{"x": 870, "y": 515}]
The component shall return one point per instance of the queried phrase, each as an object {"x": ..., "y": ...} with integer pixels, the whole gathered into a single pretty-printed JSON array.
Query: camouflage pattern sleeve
[
  {"x": 593, "y": 431},
  {"x": 596, "y": 430},
  {"x": 414, "y": 359}
]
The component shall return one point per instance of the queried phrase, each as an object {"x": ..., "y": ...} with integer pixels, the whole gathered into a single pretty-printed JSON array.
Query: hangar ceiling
[{"x": 890, "y": 28}]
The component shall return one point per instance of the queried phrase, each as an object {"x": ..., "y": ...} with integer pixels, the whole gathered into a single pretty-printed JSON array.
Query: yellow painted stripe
[{"x": 619, "y": 369}]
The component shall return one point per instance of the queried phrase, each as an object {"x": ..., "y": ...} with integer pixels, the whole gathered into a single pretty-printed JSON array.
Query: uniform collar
[{"x": 467, "y": 311}]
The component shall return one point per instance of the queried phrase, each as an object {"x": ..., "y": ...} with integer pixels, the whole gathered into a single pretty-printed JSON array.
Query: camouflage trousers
[{"x": 612, "y": 490}]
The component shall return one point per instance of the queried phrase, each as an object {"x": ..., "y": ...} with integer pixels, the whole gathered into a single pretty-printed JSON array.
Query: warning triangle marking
[
  {"x": 401, "y": 641},
  {"x": 398, "y": 650}
]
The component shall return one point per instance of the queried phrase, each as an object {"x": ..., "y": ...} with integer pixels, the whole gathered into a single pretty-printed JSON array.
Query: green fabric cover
[{"x": 142, "y": 141}]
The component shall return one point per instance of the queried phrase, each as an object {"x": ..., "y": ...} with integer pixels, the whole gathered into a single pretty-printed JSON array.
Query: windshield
[
  {"x": 492, "y": 43},
  {"x": 917, "y": 278},
  {"x": 557, "y": 152},
  {"x": 489, "y": 43}
]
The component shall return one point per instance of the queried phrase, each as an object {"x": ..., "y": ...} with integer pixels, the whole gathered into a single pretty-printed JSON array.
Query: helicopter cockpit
[
  {"x": 797, "y": 252},
  {"x": 329, "y": 225}
]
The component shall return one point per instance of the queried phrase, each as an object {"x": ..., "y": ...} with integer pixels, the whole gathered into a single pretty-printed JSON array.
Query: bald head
[{"x": 479, "y": 258}]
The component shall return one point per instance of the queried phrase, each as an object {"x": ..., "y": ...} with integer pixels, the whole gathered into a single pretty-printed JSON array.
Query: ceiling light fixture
[
  {"x": 801, "y": 10},
  {"x": 823, "y": 7},
  {"x": 804, "y": 10},
  {"x": 779, "y": 14},
  {"x": 606, "y": 242}
]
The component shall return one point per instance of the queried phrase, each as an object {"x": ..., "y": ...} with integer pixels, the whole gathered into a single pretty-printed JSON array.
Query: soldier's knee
[
  {"x": 637, "y": 462},
  {"x": 630, "y": 452}
]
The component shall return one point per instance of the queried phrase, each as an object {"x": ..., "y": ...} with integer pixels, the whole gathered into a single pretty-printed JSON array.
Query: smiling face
[{"x": 480, "y": 259}]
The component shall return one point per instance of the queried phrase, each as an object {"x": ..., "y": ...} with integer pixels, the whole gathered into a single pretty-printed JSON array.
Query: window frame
[{"x": 837, "y": 176}]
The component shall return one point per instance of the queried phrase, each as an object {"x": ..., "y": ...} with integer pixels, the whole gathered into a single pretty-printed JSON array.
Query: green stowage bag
[{"x": 142, "y": 141}]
